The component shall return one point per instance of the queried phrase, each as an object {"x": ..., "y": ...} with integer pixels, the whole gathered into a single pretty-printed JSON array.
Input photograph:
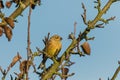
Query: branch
[
  {"x": 84, "y": 14},
  {"x": 14, "y": 61},
  {"x": 7, "y": 23},
  {"x": 91, "y": 24},
  {"x": 29, "y": 54},
  {"x": 98, "y": 6},
  {"x": 17, "y": 12},
  {"x": 3, "y": 73},
  {"x": 20, "y": 9},
  {"x": 64, "y": 77},
  {"x": 116, "y": 73},
  {"x": 28, "y": 37},
  {"x": 75, "y": 23},
  {"x": 45, "y": 40},
  {"x": 54, "y": 68}
]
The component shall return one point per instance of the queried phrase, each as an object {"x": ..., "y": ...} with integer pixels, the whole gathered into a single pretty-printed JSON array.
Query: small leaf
[{"x": 8, "y": 32}]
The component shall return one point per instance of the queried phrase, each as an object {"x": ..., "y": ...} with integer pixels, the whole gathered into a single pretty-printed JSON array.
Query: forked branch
[{"x": 91, "y": 25}]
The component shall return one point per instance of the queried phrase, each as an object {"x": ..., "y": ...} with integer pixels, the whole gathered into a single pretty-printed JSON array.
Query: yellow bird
[{"x": 52, "y": 48}]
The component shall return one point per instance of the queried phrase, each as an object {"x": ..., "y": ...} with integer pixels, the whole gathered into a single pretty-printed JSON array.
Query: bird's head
[{"x": 56, "y": 37}]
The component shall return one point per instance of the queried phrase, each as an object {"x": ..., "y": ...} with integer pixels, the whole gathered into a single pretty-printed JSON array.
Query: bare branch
[
  {"x": 116, "y": 73},
  {"x": 2, "y": 70},
  {"x": 75, "y": 23},
  {"x": 99, "y": 25},
  {"x": 84, "y": 14},
  {"x": 64, "y": 76},
  {"x": 28, "y": 37},
  {"x": 111, "y": 18},
  {"x": 45, "y": 40},
  {"x": 98, "y": 6},
  {"x": 91, "y": 24}
]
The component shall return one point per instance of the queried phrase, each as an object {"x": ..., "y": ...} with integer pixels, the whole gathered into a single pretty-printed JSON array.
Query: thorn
[{"x": 99, "y": 25}]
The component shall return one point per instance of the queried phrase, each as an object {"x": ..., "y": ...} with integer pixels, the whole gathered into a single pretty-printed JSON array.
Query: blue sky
[{"x": 58, "y": 17}]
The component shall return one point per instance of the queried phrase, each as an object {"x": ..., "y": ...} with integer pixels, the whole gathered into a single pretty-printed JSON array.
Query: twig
[
  {"x": 84, "y": 14},
  {"x": 14, "y": 61},
  {"x": 100, "y": 79},
  {"x": 111, "y": 18},
  {"x": 68, "y": 64},
  {"x": 42, "y": 52},
  {"x": 19, "y": 76},
  {"x": 29, "y": 55},
  {"x": 69, "y": 75},
  {"x": 98, "y": 6},
  {"x": 116, "y": 73},
  {"x": 75, "y": 23},
  {"x": 11, "y": 77},
  {"x": 3, "y": 72},
  {"x": 99, "y": 25},
  {"x": 71, "y": 36},
  {"x": 91, "y": 24},
  {"x": 46, "y": 39},
  {"x": 64, "y": 76},
  {"x": 28, "y": 38}
]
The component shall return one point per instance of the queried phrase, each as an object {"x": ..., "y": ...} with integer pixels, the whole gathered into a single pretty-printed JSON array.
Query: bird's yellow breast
[{"x": 53, "y": 47}]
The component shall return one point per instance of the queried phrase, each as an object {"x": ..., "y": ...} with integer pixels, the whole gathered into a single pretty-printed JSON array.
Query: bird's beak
[{"x": 60, "y": 38}]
